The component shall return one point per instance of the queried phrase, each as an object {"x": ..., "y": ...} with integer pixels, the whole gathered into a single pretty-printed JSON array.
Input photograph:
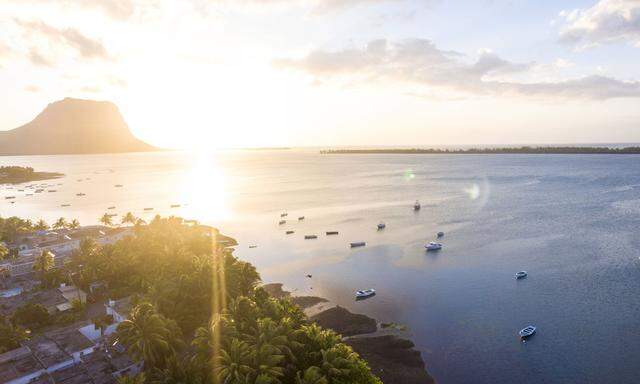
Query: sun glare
[{"x": 204, "y": 187}]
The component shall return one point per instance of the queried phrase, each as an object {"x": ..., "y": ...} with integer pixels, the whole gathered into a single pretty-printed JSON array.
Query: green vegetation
[
  {"x": 11, "y": 227},
  {"x": 10, "y": 335},
  {"x": 15, "y": 175},
  {"x": 502, "y": 150},
  {"x": 31, "y": 316},
  {"x": 199, "y": 315}
]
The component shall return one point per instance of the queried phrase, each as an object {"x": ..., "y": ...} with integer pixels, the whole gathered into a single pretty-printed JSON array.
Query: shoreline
[
  {"x": 390, "y": 356},
  {"x": 524, "y": 150}
]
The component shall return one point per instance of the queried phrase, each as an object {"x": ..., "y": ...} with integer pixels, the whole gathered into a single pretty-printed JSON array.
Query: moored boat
[
  {"x": 309, "y": 237},
  {"x": 440, "y": 234},
  {"x": 521, "y": 275},
  {"x": 382, "y": 225},
  {"x": 416, "y": 206},
  {"x": 358, "y": 244},
  {"x": 365, "y": 293},
  {"x": 329, "y": 233},
  {"x": 433, "y": 246},
  {"x": 527, "y": 331},
  {"x": 281, "y": 222}
]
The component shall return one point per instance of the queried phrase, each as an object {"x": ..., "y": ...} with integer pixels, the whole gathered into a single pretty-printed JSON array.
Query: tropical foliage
[{"x": 200, "y": 317}]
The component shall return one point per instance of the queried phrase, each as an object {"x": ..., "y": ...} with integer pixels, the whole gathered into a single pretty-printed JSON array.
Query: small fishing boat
[
  {"x": 432, "y": 246},
  {"x": 440, "y": 234},
  {"x": 416, "y": 206},
  {"x": 284, "y": 214},
  {"x": 79, "y": 194},
  {"x": 300, "y": 218},
  {"x": 520, "y": 275},
  {"x": 309, "y": 276},
  {"x": 282, "y": 222},
  {"x": 253, "y": 246},
  {"x": 175, "y": 205},
  {"x": 527, "y": 331},
  {"x": 309, "y": 237},
  {"x": 365, "y": 293},
  {"x": 65, "y": 205},
  {"x": 382, "y": 226},
  {"x": 290, "y": 232},
  {"x": 148, "y": 209},
  {"x": 358, "y": 244},
  {"x": 112, "y": 207},
  {"x": 52, "y": 190},
  {"x": 39, "y": 190},
  {"x": 9, "y": 197},
  {"x": 118, "y": 185},
  {"x": 329, "y": 233}
]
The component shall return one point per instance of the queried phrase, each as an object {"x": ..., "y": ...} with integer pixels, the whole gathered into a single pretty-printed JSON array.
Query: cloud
[
  {"x": 68, "y": 37},
  {"x": 608, "y": 21},
  {"x": 418, "y": 62},
  {"x": 38, "y": 59}
]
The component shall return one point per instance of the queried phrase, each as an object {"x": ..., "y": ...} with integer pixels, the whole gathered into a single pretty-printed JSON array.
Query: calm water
[{"x": 571, "y": 221}]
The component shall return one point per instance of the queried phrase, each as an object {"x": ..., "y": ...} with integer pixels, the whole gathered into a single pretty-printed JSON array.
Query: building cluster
[{"x": 79, "y": 351}]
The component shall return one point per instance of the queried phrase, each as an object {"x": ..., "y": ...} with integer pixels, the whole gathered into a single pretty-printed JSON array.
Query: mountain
[{"x": 73, "y": 126}]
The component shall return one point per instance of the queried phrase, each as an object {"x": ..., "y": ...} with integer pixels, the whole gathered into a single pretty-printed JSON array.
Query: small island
[
  {"x": 17, "y": 175},
  {"x": 567, "y": 150}
]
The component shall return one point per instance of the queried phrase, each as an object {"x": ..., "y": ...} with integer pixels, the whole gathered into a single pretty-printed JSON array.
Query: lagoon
[{"x": 571, "y": 221}]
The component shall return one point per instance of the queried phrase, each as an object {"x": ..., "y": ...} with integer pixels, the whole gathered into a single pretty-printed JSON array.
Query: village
[{"x": 72, "y": 343}]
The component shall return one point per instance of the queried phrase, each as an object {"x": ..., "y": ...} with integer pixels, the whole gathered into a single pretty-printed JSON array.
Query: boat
[
  {"x": 440, "y": 234},
  {"x": 282, "y": 222},
  {"x": 300, "y": 218},
  {"x": 416, "y": 206},
  {"x": 148, "y": 209},
  {"x": 329, "y": 233},
  {"x": 112, "y": 207},
  {"x": 309, "y": 237},
  {"x": 79, "y": 194},
  {"x": 382, "y": 225},
  {"x": 432, "y": 246},
  {"x": 175, "y": 205},
  {"x": 358, "y": 244},
  {"x": 309, "y": 276},
  {"x": 253, "y": 246},
  {"x": 284, "y": 214},
  {"x": 365, "y": 293},
  {"x": 527, "y": 331},
  {"x": 290, "y": 232},
  {"x": 39, "y": 190},
  {"x": 52, "y": 190},
  {"x": 521, "y": 274},
  {"x": 118, "y": 185},
  {"x": 9, "y": 197},
  {"x": 65, "y": 205}
]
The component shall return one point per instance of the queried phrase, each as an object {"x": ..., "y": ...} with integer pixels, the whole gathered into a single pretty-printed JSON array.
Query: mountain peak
[{"x": 73, "y": 126}]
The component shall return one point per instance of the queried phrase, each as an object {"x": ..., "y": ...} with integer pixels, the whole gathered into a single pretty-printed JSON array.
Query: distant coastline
[
  {"x": 17, "y": 175},
  {"x": 566, "y": 150}
]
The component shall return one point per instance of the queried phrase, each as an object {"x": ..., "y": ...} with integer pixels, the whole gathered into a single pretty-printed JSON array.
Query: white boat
[
  {"x": 416, "y": 206},
  {"x": 440, "y": 234},
  {"x": 365, "y": 293},
  {"x": 521, "y": 274},
  {"x": 527, "y": 331},
  {"x": 382, "y": 225},
  {"x": 432, "y": 246}
]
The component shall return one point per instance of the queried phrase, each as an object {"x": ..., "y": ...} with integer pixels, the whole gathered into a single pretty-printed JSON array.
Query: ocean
[{"x": 571, "y": 221}]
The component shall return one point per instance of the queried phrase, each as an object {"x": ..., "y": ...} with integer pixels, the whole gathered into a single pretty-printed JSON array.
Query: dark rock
[
  {"x": 392, "y": 359},
  {"x": 344, "y": 322}
]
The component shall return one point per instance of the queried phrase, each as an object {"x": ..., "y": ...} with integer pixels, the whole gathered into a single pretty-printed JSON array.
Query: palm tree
[
  {"x": 43, "y": 263},
  {"x": 140, "y": 378},
  {"x": 60, "y": 223},
  {"x": 106, "y": 220},
  {"x": 74, "y": 224},
  {"x": 146, "y": 335},
  {"x": 41, "y": 225},
  {"x": 129, "y": 218},
  {"x": 233, "y": 364},
  {"x": 4, "y": 251},
  {"x": 313, "y": 375}
]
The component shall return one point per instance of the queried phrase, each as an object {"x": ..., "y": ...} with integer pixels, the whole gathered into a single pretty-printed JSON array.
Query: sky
[{"x": 200, "y": 74}]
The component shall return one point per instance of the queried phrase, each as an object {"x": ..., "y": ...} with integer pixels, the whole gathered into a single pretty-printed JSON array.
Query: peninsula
[
  {"x": 566, "y": 150},
  {"x": 73, "y": 126},
  {"x": 17, "y": 175}
]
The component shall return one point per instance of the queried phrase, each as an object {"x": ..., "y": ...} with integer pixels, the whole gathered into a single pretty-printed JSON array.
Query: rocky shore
[{"x": 392, "y": 358}]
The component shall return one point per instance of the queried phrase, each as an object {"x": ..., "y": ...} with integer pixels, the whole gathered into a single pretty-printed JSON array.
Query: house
[{"x": 119, "y": 311}]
